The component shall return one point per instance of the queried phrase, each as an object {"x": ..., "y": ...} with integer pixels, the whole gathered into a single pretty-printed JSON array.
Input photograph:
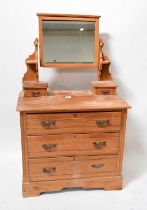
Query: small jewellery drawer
[
  {"x": 35, "y": 92},
  {"x": 103, "y": 87},
  {"x": 35, "y": 88},
  {"x": 105, "y": 91},
  {"x": 72, "y": 167},
  {"x": 73, "y": 123},
  {"x": 73, "y": 144}
]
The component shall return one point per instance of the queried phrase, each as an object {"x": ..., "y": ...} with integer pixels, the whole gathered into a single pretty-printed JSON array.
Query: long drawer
[
  {"x": 73, "y": 144},
  {"x": 72, "y": 167},
  {"x": 73, "y": 123}
]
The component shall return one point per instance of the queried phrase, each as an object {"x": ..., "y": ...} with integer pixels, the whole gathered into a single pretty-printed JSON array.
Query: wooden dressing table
[{"x": 70, "y": 138}]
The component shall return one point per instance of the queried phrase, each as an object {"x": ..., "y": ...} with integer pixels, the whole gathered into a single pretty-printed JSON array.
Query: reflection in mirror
[{"x": 68, "y": 41}]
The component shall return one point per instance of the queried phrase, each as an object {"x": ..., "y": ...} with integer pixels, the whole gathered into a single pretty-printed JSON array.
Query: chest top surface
[{"x": 62, "y": 103}]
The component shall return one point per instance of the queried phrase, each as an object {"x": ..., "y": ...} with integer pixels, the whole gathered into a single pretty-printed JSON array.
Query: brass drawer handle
[
  {"x": 49, "y": 170},
  {"x": 48, "y": 124},
  {"x": 49, "y": 147},
  {"x": 102, "y": 123},
  {"x": 99, "y": 145},
  {"x": 98, "y": 165},
  {"x": 105, "y": 92},
  {"x": 35, "y": 93}
]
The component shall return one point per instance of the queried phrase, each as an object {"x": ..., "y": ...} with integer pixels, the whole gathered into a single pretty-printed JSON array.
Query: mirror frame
[{"x": 89, "y": 18}]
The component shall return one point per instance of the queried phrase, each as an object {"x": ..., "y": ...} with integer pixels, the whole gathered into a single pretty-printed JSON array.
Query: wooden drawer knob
[
  {"x": 49, "y": 147},
  {"x": 49, "y": 170},
  {"x": 48, "y": 124},
  {"x": 98, "y": 165},
  {"x": 99, "y": 145},
  {"x": 35, "y": 93},
  {"x": 102, "y": 123}
]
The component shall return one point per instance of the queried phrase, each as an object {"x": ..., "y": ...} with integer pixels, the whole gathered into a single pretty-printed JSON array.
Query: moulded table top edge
[{"x": 60, "y": 103}]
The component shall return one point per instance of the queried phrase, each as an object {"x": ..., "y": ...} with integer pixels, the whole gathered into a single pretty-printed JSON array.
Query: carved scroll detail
[
  {"x": 104, "y": 64},
  {"x": 32, "y": 65}
]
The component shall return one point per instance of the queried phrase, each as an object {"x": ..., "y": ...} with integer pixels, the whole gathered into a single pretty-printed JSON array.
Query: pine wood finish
[
  {"x": 32, "y": 65},
  {"x": 71, "y": 138},
  {"x": 80, "y": 144},
  {"x": 104, "y": 64},
  {"x": 80, "y": 157},
  {"x": 71, "y": 167},
  {"x": 106, "y": 183},
  {"x": 73, "y": 123},
  {"x": 35, "y": 88},
  {"x": 104, "y": 87},
  {"x": 60, "y": 103}
]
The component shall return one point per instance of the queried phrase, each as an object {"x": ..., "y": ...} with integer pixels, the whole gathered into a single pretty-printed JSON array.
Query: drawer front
[
  {"x": 73, "y": 167},
  {"x": 73, "y": 123},
  {"x": 35, "y": 92},
  {"x": 105, "y": 91},
  {"x": 73, "y": 144}
]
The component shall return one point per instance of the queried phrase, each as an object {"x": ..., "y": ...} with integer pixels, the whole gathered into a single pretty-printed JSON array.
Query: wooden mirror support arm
[
  {"x": 104, "y": 64},
  {"x": 32, "y": 65}
]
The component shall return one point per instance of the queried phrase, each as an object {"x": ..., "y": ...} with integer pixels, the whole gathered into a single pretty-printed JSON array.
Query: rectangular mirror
[{"x": 68, "y": 43}]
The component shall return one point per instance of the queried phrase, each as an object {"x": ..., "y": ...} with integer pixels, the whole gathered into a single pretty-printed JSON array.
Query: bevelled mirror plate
[{"x": 68, "y": 42}]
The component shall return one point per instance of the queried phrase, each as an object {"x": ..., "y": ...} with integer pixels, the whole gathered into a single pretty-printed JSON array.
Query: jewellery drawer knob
[
  {"x": 99, "y": 145},
  {"x": 105, "y": 92},
  {"x": 98, "y": 165},
  {"x": 48, "y": 124},
  {"x": 49, "y": 147},
  {"x": 49, "y": 170},
  {"x": 102, "y": 123},
  {"x": 35, "y": 93}
]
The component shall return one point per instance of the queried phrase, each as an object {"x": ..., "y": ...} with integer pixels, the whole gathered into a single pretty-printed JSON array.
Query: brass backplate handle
[
  {"x": 99, "y": 144},
  {"x": 49, "y": 170},
  {"x": 35, "y": 93},
  {"x": 106, "y": 92},
  {"x": 98, "y": 165},
  {"x": 48, "y": 124},
  {"x": 102, "y": 123},
  {"x": 49, "y": 147}
]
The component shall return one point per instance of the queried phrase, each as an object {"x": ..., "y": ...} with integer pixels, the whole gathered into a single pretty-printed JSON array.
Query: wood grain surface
[
  {"x": 75, "y": 103},
  {"x": 72, "y": 144},
  {"x": 73, "y": 123},
  {"x": 72, "y": 167}
]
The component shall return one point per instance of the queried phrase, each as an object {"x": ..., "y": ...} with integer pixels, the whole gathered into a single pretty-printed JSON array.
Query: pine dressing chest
[{"x": 70, "y": 138}]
